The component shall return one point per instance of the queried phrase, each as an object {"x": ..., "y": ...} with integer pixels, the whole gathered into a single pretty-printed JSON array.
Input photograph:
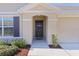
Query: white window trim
[{"x": 2, "y": 28}]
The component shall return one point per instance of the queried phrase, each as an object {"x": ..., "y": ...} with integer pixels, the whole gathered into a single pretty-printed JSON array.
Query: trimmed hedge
[
  {"x": 19, "y": 43},
  {"x": 2, "y": 42},
  {"x": 6, "y": 50}
]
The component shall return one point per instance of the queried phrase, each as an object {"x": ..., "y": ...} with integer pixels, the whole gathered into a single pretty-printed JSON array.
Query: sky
[{"x": 65, "y": 4}]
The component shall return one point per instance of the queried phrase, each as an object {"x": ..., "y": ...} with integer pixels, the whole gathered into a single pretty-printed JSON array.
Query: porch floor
[{"x": 39, "y": 43}]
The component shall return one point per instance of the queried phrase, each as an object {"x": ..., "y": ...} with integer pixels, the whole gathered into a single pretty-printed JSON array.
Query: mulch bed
[
  {"x": 22, "y": 52},
  {"x": 51, "y": 46}
]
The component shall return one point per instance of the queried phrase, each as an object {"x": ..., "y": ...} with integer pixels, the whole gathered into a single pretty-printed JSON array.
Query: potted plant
[{"x": 54, "y": 40}]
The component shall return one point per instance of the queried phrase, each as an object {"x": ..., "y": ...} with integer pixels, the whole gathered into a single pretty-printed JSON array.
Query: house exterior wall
[
  {"x": 27, "y": 26},
  {"x": 52, "y": 29},
  {"x": 68, "y": 29},
  {"x": 66, "y": 26}
]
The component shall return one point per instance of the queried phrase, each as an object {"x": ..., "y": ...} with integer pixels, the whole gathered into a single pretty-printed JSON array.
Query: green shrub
[
  {"x": 8, "y": 50},
  {"x": 18, "y": 42},
  {"x": 2, "y": 42},
  {"x": 54, "y": 40}
]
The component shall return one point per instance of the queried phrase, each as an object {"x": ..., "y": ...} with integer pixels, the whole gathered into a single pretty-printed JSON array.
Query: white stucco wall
[
  {"x": 27, "y": 31},
  {"x": 27, "y": 14},
  {"x": 68, "y": 29},
  {"x": 27, "y": 26},
  {"x": 51, "y": 29},
  {"x": 66, "y": 26}
]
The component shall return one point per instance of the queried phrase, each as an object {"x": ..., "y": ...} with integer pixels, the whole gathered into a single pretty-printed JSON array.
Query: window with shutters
[{"x": 16, "y": 26}]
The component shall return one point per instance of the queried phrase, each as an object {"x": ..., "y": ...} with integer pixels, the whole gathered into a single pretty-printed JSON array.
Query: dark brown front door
[{"x": 39, "y": 29}]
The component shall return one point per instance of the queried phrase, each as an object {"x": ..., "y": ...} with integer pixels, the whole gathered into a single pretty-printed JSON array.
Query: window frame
[{"x": 3, "y": 27}]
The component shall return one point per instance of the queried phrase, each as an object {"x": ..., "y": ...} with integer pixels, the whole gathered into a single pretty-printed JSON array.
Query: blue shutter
[{"x": 16, "y": 26}]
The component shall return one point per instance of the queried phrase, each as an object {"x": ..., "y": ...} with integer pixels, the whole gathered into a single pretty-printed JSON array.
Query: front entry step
[
  {"x": 39, "y": 44},
  {"x": 38, "y": 38}
]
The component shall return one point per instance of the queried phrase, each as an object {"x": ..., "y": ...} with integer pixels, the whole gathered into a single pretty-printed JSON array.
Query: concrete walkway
[
  {"x": 70, "y": 46},
  {"x": 69, "y": 49},
  {"x": 52, "y": 52}
]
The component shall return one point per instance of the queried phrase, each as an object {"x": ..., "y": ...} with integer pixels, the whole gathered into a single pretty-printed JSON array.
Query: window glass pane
[
  {"x": 0, "y": 22},
  {"x": 8, "y": 31},
  {"x": 0, "y": 31},
  {"x": 8, "y": 21}
]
